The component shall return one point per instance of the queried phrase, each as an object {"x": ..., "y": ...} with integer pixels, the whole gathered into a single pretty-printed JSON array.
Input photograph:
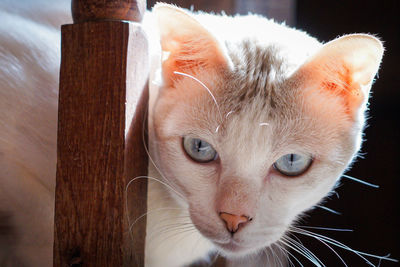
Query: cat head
[{"x": 251, "y": 134}]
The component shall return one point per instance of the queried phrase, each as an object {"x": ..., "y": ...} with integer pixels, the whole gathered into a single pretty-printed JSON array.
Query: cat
[{"x": 251, "y": 124}]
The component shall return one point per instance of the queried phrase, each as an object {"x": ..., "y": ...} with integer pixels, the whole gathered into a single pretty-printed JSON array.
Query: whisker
[
  {"x": 298, "y": 240},
  {"x": 327, "y": 228},
  {"x": 202, "y": 84},
  {"x": 175, "y": 229},
  {"x": 332, "y": 243},
  {"x": 336, "y": 193},
  {"x": 185, "y": 236},
  {"x": 279, "y": 257},
  {"x": 126, "y": 200},
  {"x": 308, "y": 257},
  {"x": 150, "y": 212},
  {"x": 167, "y": 183},
  {"x": 183, "y": 219},
  {"x": 290, "y": 254},
  {"x": 171, "y": 227},
  {"x": 229, "y": 113},
  {"x": 302, "y": 250},
  {"x": 328, "y": 209},
  {"x": 341, "y": 245},
  {"x": 334, "y": 251},
  {"x": 185, "y": 232},
  {"x": 273, "y": 256},
  {"x": 151, "y": 159},
  {"x": 306, "y": 252},
  {"x": 155, "y": 179},
  {"x": 360, "y": 181},
  {"x": 285, "y": 253}
]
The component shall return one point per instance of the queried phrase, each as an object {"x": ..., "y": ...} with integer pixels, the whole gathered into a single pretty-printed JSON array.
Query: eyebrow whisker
[{"x": 202, "y": 84}]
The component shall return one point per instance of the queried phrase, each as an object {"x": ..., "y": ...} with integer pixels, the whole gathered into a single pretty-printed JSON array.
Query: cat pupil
[{"x": 199, "y": 146}]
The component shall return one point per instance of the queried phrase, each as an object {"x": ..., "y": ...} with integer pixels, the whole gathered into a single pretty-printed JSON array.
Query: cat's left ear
[
  {"x": 345, "y": 67},
  {"x": 186, "y": 44}
]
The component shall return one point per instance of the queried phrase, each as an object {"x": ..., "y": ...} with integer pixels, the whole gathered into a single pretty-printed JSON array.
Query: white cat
[{"x": 251, "y": 123}]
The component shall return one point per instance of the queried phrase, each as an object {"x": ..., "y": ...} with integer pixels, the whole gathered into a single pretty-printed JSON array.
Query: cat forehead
[
  {"x": 243, "y": 107},
  {"x": 256, "y": 86},
  {"x": 257, "y": 75}
]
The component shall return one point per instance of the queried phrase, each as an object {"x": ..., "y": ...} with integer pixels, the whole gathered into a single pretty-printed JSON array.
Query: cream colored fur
[
  {"x": 275, "y": 95},
  {"x": 261, "y": 115},
  {"x": 29, "y": 67}
]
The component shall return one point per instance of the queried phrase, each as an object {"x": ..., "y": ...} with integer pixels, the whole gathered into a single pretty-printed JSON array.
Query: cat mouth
[{"x": 240, "y": 248}]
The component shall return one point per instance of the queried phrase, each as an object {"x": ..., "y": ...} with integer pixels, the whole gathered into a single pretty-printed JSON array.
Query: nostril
[{"x": 233, "y": 222}]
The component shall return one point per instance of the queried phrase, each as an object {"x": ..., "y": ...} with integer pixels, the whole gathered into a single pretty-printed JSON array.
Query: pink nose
[{"x": 233, "y": 221}]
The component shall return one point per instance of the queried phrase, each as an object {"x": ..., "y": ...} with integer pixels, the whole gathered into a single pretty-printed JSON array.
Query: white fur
[
  {"x": 29, "y": 66},
  {"x": 310, "y": 120}
]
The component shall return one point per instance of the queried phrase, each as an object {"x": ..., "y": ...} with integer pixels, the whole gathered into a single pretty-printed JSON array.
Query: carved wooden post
[{"x": 104, "y": 69}]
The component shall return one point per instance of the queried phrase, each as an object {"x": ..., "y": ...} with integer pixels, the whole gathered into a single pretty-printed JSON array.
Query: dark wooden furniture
[{"x": 100, "y": 145}]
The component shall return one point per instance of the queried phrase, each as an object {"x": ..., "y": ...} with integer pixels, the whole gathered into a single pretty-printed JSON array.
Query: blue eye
[
  {"x": 199, "y": 150},
  {"x": 293, "y": 164}
]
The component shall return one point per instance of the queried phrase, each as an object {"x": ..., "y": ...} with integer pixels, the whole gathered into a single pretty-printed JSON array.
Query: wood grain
[
  {"x": 93, "y": 10},
  {"x": 94, "y": 165}
]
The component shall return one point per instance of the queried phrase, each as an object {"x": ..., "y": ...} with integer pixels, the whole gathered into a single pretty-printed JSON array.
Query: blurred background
[{"x": 372, "y": 213}]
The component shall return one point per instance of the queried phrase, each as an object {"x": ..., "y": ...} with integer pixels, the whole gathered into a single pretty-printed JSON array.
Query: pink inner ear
[
  {"x": 341, "y": 83},
  {"x": 189, "y": 44},
  {"x": 345, "y": 67},
  {"x": 188, "y": 55}
]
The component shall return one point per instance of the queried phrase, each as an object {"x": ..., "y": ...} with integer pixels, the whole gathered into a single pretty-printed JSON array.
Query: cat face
[{"x": 248, "y": 140}]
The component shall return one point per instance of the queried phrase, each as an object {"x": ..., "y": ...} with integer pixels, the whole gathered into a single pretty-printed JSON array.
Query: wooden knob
[{"x": 92, "y": 10}]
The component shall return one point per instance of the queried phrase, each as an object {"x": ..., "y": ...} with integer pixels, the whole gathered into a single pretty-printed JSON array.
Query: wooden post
[{"x": 100, "y": 147}]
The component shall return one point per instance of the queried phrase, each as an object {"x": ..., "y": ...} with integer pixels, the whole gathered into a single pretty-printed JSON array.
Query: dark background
[{"x": 372, "y": 213}]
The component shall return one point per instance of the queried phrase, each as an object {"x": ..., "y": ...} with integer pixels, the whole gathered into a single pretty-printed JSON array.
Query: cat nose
[{"x": 233, "y": 221}]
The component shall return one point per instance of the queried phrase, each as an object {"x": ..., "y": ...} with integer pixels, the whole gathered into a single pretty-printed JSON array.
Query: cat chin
[
  {"x": 240, "y": 249},
  {"x": 234, "y": 250}
]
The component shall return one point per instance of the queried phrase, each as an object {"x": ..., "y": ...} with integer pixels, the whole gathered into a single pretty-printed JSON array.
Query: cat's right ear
[
  {"x": 186, "y": 45},
  {"x": 345, "y": 68}
]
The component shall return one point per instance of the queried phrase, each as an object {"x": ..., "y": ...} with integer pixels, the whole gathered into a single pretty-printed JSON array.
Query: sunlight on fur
[{"x": 247, "y": 132}]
